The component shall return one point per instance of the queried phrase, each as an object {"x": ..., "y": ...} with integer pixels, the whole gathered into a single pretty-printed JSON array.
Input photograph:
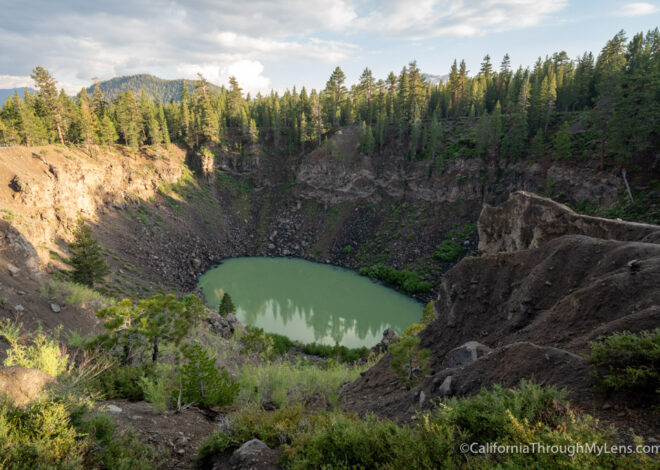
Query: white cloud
[
  {"x": 120, "y": 38},
  {"x": 15, "y": 81},
  {"x": 18, "y": 81},
  {"x": 636, "y": 9},
  {"x": 247, "y": 72},
  {"x": 221, "y": 37},
  {"x": 433, "y": 18}
]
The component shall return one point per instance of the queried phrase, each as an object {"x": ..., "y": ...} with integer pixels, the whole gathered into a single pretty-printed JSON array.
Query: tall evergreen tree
[
  {"x": 46, "y": 85},
  {"x": 89, "y": 265}
]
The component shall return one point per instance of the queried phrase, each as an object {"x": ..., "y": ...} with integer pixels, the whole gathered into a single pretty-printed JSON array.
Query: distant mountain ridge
[
  {"x": 7, "y": 92},
  {"x": 170, "y": 90},
  {"x": 166, "y": 90},
  {"x": 435, "y": 79}
]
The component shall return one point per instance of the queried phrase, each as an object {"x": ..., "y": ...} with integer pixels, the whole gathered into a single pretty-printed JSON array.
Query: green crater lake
[{"x": 309, "y": 302}]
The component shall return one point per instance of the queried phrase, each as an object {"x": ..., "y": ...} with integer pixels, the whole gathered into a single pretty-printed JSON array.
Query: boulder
[
  {"x": 464, "y": 354},
  {"x": 17, "y": 250},
  {"x": 389, "y": 336},
  {"x": 22, "y": 384},
  {"x": 55, "y": 308},
  {"x": 255, "y": 455},
  {"x": 234, "y": 323},
  {"x": 113, "y": 408},
  {"x": 445, "y": 388},
  {"x": 13, "y": 270}
]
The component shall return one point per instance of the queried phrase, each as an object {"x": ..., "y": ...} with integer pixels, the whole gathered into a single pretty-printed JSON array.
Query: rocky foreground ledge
[{"x": 548, "y": 282}]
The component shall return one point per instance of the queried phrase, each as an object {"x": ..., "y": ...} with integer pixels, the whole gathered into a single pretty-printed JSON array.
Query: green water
[{"x": 309, "y": 301}]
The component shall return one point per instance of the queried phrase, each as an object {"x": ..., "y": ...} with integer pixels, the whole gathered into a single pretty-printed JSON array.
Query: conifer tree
[
  {"x": 46, "y": 85},
  {"x": 89, "y": 265},
  {"x": 562, "y": 143},
  {"x": 226, "y": 305}
]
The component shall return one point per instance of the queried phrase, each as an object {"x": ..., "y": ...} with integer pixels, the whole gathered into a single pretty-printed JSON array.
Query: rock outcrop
[
  {"x": 526, "y": 220},
  {"x": 22, "y": 385},
  {"x": 16, "y": 252},
  {"x": 549, "y": 282}
]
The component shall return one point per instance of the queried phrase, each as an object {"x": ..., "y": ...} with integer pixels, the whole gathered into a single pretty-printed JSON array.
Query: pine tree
[
  {"x": 107, "y": 132},
  {"x": 46, "y": 85},
  {"x": 561, "y": 143},
  {"x": 226, "y": 305},
  {"x": 89, "y": 265}
]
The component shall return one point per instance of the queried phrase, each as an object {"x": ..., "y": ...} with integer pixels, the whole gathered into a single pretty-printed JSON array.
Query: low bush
[
  {"x": 627, "y": 361},
  {"x": 336, "y": 352},
  {"x": 450, "y": 249},
  {"x": 528, "y": 414},
  {"x": 257, "y": 341},
  {"x": 485, "y": 417},
  {"x": 337, "y": 440},
  {"x": 281, "y": 343},
  {"x": 123, "y": 381},
  {"x": 447, "y": 251},
  {"x": 273, "y": 428},
  {"x": 38, "y": 351},
  {"x": 156, "y": 392},
  {"x": 112, "y": 448},
  {"x": 428, "y": 313},
  {"x": 285, "y": 384},
  {"x": 75, "y": 294},
  {"x": 201, "y": 381},
  {"x": 59, "y": 434},
  {"x": 408, "y": 281}
]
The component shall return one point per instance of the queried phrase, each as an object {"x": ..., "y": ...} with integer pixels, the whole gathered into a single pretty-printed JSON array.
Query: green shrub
[
  {"x": 10, "y": 330},
  {"x": 336, "y": 352},
  {"x": 155, "y": 391},
  {"x": 41, "y": 352},
  {"x": 527, "y": 414},
  {"x": 273, "y": 428},
  {"x": 409, "y": 362},
  {"x": 285, "y": 384},
  {"x": 58, "y": 434},
  {"x": 75, "y": 294},
  {"x": 39, "y": 436},
  {"x": 447, "y": 251},
  {"x": 123, "y": 381},
  {"x": 341, "y": 441},
  {"x": 257, "y": 341},
  {"x": 428, "y": 313},
  {"x": 414, "y": 329},
  {"x": 408, "y": 281},
  {"x": 281, "y": 343},
  {"x": 485, "y": 418},
  {"x": 111, "y": 448},
  {"x": 627, "y": 361},
  {"x": 202, "y": 383}
]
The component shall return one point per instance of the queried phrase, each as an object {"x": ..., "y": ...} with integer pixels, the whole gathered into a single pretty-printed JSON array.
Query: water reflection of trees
[{"x": 332, "y": 304}]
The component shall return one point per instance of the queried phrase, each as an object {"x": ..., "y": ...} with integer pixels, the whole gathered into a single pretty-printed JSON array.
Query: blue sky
[{"x": 278, "y": 44}]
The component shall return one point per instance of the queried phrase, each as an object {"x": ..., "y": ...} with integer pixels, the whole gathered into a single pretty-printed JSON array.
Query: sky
[{"x": 272, "y": 44}]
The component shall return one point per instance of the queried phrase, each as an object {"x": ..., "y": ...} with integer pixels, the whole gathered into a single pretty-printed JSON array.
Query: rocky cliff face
[
  {"x": 528, "y": 221},
  {"x": 49, "y": 187},
  {"x": 162, "y": 226},
  {"x": 549, "y": 282}
]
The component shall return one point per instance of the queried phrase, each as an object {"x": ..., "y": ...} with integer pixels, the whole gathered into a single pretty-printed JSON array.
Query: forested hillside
[
  {"x": 154, "y": 87},
  {"x": 605, "y": 108}
]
